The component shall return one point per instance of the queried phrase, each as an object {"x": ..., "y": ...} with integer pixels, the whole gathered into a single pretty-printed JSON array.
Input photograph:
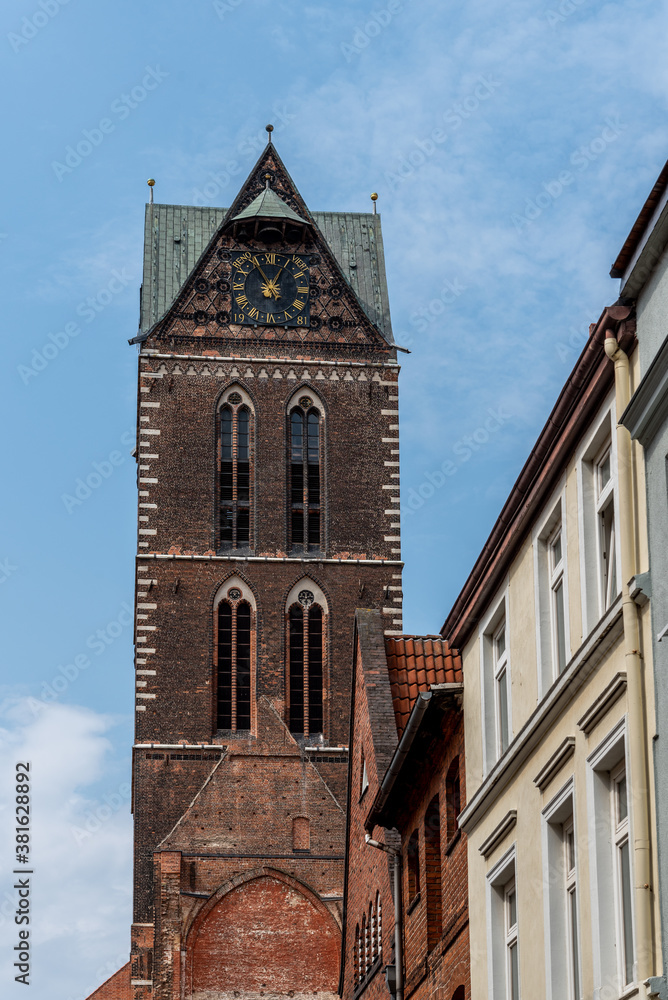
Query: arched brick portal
[{"x": 267, "y": 935}]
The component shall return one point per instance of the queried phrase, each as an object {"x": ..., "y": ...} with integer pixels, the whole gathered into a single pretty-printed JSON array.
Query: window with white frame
[
  {"x": 560, "y": 871},
  {"x": 555, "y": 558},
  {"x": 622, "y": 871},
  {"x": 503, "y": 930},
  {"x": 551, "y": 598},
  {"x": 500, "y": 660},
  {"x": 572, "y": 925},
  {"x": 496, "y": 686},
  {"x": 611, "y": 863},
  {"x": 598, "y": 523},
  {"x": 605, "y": 515},
  {"x": 512, "y": 959}
]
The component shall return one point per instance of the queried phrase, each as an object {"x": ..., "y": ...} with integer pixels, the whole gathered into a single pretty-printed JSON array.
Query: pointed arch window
[
  {"x": 235, "y": 652},
  {"x": 305, "y": 476},
  {"x": 234, "y": 472},
  {"x": 306, "y": 638}
]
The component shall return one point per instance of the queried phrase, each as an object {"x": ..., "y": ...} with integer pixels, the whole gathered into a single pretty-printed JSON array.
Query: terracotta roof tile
[{"x": 414, "y": 663}]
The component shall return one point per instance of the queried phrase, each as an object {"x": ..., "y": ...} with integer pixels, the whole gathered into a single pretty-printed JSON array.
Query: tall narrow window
[
  {"x": 453, "y": 798},
  {"x": 500, "y": 656},
  {"x": 365, "y": 948},
  {"x": 234, "y": 491},
  {"x": 605, "y": 512},
  {"x": 305, "y": 498},
  {"x": 622, "y": 873},
  {"x": 305, "y": 651},
  {"x": 556, "y": 573},
  {"x": 572, "y": 934},
  {"x": 234, "y": 662},
  {"x": 512, "y": 957},
  {"x": 413, "y": 865},
  {"x": 379, "y": 925},
  {"x": 432, "y": 848}
]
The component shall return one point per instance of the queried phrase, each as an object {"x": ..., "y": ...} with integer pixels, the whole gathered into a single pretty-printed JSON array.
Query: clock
[{"x": 271, "y": 289}]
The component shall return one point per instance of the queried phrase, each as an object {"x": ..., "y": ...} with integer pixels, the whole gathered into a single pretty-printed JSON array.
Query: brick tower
[{"x": 268, "y": 479}]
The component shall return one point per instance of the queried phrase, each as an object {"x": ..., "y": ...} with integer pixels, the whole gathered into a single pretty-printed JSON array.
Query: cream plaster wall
[{"x": 521, "y": 793}]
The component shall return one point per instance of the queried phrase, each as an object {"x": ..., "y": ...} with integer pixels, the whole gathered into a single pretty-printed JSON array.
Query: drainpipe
[
  {"x": 634, "y": 675},
  {"x": 398, "y": 929}
]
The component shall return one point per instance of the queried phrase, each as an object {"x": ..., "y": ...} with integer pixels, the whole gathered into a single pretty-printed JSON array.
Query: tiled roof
[
  {"x": 177, "y": 235},
  {"x": 414, "y": 664},
  {"x": 117, "y": 987}
]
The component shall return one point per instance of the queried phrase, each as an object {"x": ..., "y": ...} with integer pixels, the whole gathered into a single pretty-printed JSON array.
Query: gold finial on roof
[
  {"x": 374, "y": 199},
  {"x": 151, "y": 184},
  {"x": 269, "y": 129}
]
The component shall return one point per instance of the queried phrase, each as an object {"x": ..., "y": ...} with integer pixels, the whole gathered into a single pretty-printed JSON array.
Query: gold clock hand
[{"x": 269, "y": 283}]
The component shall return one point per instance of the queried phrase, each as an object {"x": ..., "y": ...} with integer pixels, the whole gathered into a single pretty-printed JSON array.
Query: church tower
[{"x": 268, "y": 481}]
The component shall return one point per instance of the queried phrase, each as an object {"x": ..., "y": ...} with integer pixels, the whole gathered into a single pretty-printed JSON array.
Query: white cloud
[{"x": 80, "y": 847}]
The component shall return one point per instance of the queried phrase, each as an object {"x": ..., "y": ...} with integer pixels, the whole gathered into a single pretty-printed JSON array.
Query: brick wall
[
  {"x": 267, "y": 936},
  {"x": 117, "y": 987},
  {"x": 437, "y": 964},
  {"x": 372, "y": 741}
]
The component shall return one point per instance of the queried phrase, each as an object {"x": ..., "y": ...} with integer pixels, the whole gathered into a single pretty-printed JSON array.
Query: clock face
[{"x": 271, "y": 289}]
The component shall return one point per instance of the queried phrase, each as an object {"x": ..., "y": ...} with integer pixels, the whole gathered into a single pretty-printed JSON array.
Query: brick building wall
[
  {"x": 416, "y": 791},
  {"x": 437, "y": 964},
  {"x": 373, "y": 738}
]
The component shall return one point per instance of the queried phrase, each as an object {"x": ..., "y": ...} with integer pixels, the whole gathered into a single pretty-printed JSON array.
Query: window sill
[
  {"x": 452, "y": 843},
  {"x": 632, "y": 990},
  {"x": 413, "y": 903}
]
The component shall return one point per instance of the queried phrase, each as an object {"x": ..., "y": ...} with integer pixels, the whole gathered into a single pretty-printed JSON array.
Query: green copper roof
[
  {"x": 268, "y": 205},
  {"x": 177, "y": 235}
]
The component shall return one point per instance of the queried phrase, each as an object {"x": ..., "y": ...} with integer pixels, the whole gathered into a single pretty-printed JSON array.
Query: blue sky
[{"x": 511, "y": 144}]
